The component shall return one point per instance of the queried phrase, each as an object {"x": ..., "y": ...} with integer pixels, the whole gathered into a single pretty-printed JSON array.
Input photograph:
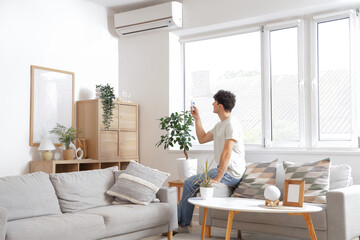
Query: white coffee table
[{"x": 237, "y": 205}]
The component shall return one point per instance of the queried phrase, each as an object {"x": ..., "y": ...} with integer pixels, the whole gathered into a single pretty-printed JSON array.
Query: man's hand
[
  {"x": 195, "y": 112},
  {"x": 214, "y": 181}
]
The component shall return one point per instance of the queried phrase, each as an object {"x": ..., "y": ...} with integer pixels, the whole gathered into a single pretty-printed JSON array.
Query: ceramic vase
[
  {"x": 186, "y": 168},
  {"x": 206, "y": 192}
]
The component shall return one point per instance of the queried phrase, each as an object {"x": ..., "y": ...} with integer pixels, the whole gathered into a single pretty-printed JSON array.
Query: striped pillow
[
  {"x": 256, "y": 178},
  {"x": 138, "y": 184},
  {"x": 315, "y": 175}
]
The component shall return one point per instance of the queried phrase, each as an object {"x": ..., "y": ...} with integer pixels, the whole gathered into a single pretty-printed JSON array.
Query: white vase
[
  {"x": 186, "y": 167},
  {"x": 206, "y": 192},
  {"x": 97, "y": 92}
]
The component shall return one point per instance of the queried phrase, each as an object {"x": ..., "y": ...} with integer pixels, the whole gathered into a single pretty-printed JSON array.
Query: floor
[{"x": 216, "y": 233}]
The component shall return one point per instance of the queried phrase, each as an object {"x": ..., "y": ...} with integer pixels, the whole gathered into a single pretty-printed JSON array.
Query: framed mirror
[{"x": 52, "y": 101}]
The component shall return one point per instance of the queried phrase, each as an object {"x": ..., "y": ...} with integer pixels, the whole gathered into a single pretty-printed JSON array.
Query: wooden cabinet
[
  {"x": 120, "y": 142},
  {"x": 60, "y": 166}
]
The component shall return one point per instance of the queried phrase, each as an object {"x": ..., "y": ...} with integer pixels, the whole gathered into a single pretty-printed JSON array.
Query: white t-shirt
[{"x": 230, "y": 128}]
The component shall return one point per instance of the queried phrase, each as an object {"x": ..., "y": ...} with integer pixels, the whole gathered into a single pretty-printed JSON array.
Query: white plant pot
[
  {"x": 186, "y": 168},
  {"x": 206, "y": 193}
]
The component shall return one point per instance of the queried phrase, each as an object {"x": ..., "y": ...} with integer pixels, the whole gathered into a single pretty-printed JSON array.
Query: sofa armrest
[
  {"x": 342, "y": 213},
  {"x": 169, "y": 195},
  {"x": 3, "y": 221}
]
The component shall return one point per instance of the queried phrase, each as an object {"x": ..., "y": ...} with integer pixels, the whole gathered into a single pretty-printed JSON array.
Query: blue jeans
[{"x": 191, "y": 188}]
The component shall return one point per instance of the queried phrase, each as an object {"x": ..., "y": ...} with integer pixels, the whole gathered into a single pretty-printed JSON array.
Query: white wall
[
  {"x": 144, "y": 71},
  {"x": 71, "y": 35}
]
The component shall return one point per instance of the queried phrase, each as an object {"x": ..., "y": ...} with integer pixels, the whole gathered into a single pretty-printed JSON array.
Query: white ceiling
[{"x": 126, "y": 5}]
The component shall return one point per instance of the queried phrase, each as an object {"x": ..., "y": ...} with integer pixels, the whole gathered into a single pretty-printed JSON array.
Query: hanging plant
[{"x": 107, "y": 99}]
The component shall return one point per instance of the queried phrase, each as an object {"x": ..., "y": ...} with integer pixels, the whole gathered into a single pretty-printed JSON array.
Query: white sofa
[{"x": 339, "y": 220}]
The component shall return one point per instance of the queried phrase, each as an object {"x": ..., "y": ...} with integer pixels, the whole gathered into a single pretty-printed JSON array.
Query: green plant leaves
[
  {"x": 177, "y": 126},
  {"x": 66, "y": 135},
  {"x": 107, "y": 97}
]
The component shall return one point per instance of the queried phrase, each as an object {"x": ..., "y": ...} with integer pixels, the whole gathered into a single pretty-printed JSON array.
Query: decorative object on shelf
[
  {"x": 66, "y": 136},
  {"x": 204, "y": 181},
  {"x": 272, "y": 195},
  {"x": 83, "y": 145},
  {"x": 79, "y": 153},
  {"x": 52, "y": 95},
  {"x": 97, "y": 92},
  {"x": 107, "y": 99},
  {"x": 293, "y": 193},
  {"x": 46, "y": 146},
  {"x": 177, "y": 126},
  {"x": 126, "y": 96}
]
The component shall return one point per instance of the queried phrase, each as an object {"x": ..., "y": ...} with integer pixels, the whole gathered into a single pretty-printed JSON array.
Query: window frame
[
  {"x": 307, "y": 84},
  {"x": 314, "y": 81},
  {"x": 267, "y": 83}
]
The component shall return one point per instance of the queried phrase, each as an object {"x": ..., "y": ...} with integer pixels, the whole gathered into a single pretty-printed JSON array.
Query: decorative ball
[{"x": 272, "y": 193}]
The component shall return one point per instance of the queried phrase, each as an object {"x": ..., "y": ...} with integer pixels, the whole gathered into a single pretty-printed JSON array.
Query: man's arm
[
  {"x": 202, "y": 136},
  {"x": 224, "y": 159}
]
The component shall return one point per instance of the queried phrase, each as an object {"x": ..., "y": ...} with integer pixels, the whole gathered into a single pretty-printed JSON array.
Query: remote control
[{"x": 192, "y": 106}]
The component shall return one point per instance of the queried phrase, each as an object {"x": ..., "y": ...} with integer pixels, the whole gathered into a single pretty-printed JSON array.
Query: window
[
  {"x": 334, "y": 112},
  {"x": 282, "y": 84},
  {"x": 230, "y": 63}
]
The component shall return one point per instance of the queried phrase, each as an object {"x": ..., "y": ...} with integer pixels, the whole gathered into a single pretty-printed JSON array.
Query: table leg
[
  {"x": 310, "y": 226},
  {"x": 229, "y": 224},
  {"x": 203, "y": 224}
]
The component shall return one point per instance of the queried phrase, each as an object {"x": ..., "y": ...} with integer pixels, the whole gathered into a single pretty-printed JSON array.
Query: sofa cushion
[
  {"x": 121, "y": 219},
  {"x": 138, "y": 184},
  {"x": 340, "y": 176},
  {"x": 319, "y": 219},
  {"x": 119, "y": 201},
  {"x": 256, "y": 178},
  {"x": 315, "y": 175},
  {"x": 82, "y": 190},
  {"x": 57, "y": 227},
  {"x": 28, "y": 195}
]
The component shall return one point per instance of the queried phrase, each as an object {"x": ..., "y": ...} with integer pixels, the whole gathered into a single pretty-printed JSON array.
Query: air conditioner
[{"x": 162, "y": 16}]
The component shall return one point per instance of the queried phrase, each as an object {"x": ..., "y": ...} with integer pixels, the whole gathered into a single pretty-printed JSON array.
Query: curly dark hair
[{"x": 226, "y": 98}]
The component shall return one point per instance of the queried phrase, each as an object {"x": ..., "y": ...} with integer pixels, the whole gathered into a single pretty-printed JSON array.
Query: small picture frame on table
[{"x": 293, "y": 193}]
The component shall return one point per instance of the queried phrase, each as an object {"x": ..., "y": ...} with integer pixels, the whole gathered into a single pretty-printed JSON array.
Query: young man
[{"x": 229, "y": 153}]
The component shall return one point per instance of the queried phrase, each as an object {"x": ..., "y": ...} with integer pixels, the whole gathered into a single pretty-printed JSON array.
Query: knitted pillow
[
  {"x": 119, "y": 201},
  {"x": 315, "y": 175},
  {"x": 256, "y": 178},
  {"x": 138, "y": 184}
]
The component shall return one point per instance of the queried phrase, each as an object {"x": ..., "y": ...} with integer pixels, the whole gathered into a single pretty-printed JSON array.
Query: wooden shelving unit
[
  {"x": 60, "y": 166},
  {"x": 120, "y": 142}
]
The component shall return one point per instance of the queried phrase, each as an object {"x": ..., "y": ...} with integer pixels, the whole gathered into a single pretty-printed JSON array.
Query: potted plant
[
  {"x": 66, "y": 136},
  {"x": 204, "y": 181},
  {"x": 178, "y": 132},
  {"x": 107, "y": 99}
]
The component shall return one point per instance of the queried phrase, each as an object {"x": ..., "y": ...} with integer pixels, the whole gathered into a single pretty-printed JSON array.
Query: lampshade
[{"x": 46, "y": 144}]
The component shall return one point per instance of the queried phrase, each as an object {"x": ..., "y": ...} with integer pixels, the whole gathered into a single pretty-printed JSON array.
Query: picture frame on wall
[
  {"x": 294, "y": 193},
  {"x": 52, "y": 102}
]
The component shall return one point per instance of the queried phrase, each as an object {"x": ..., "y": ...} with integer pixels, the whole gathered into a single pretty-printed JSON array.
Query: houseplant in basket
[
  {"x": 66, "y": 136},
  {"x": 178, "y": 132}
]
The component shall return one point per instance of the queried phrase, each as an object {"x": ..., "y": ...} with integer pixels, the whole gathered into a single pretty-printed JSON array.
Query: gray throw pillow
[
  {"x": 138, "y": 184},
  {"x": 119, "y": 201}
]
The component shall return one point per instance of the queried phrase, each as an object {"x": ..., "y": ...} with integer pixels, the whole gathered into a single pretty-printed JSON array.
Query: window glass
[
  {"x": 334, "y": 80},
  {"x": 231, "y": 63},
  {"x": 284, "y": 84}
]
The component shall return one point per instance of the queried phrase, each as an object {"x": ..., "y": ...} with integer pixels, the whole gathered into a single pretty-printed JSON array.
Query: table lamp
[{"x": 46, "y": 146}]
